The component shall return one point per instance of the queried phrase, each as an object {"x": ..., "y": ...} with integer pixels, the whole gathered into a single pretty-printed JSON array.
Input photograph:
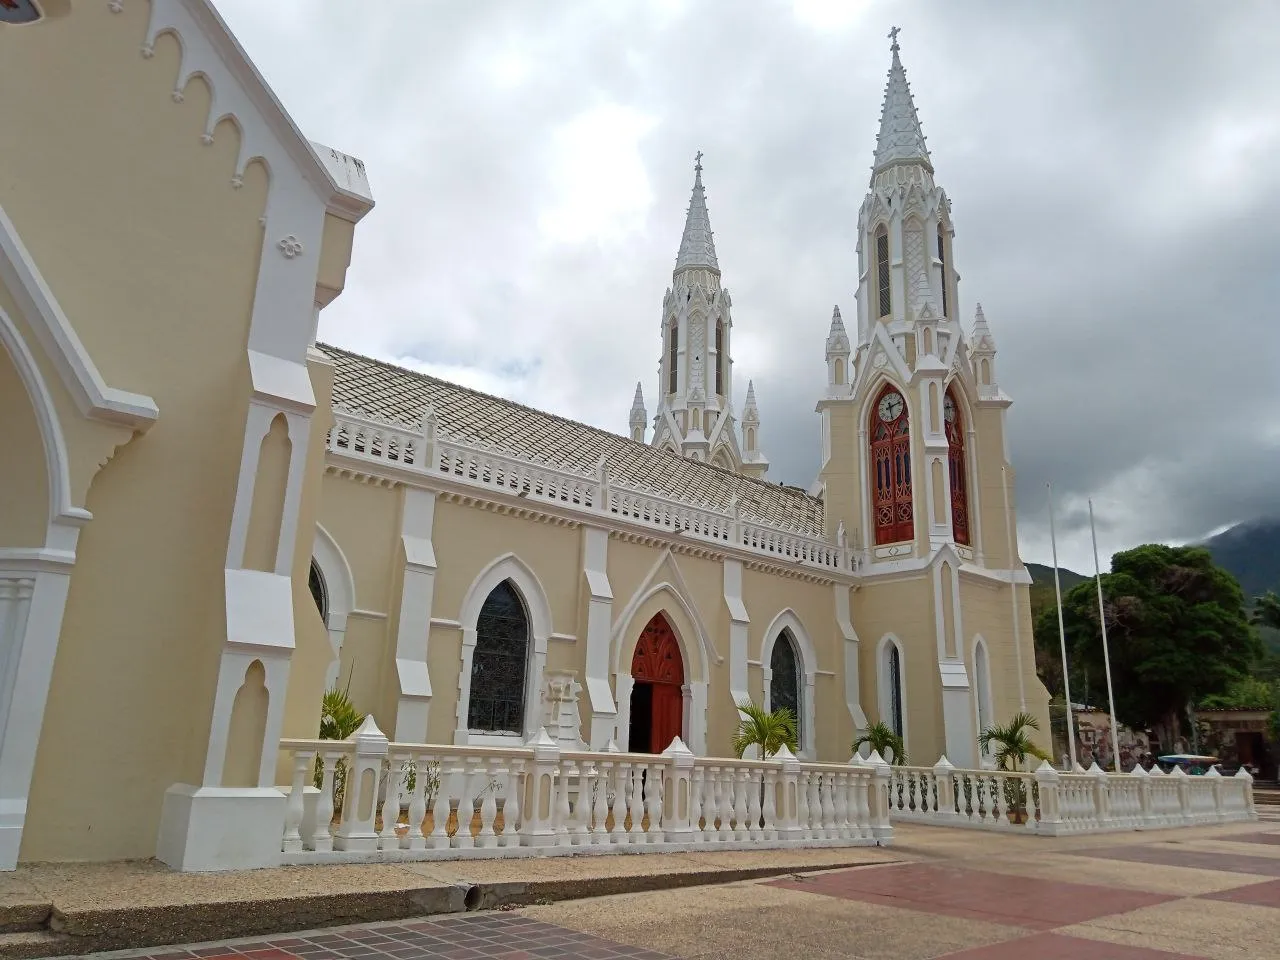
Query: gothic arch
[
  {"x": 685, "y": 624},
  {"x": 57, "y": 465},
  {"x": 788, "y": 621},
  {"x": 511, "y": 568},
  {"x": 891, "y": 475},
  {"x": 888, "y": 645},
  {"x": 340, "y": 590},
  {"x": 722, "y": 459},
  {"x": 983, "y": 707},
  {"x": 958, "y": 386}
]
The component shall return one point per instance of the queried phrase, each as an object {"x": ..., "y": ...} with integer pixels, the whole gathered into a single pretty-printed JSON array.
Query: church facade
[{"x": 210, "y": 518}]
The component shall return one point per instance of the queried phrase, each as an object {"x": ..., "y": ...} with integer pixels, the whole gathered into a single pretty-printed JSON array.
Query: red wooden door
[{"x": 657, "y": 662}]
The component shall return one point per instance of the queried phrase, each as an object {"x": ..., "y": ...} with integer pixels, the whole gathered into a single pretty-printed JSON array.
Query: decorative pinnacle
[
  {"x": 901, "y": 140},
  {"x": 893, "y": 36},
  {"x": 838, "y": 337},
  {"x": 697, "y": 247},
  {"x": 750, "y": 413},
  {"x": 638, "y": 416}
]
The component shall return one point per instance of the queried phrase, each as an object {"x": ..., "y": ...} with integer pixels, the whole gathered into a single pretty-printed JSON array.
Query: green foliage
[
  {"x": 1266, "y": 610},
  {"x": 769, "y": 731},
  {"x": 881, "y": 738},
  {"x": 339, "y": 718},
  {"x": 1177, "y": 631},
  {"x": 1247, "y": 693},
  {"x": 1013, "y": 742}
]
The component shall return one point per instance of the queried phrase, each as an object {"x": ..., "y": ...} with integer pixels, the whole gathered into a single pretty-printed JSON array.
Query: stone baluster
[
  {"x": 388, "y": 839},
  {"x": 724, "y": 803},
  {"x": 741, "y": 787},
  {"x": 653, "y": 802},
  {"x": 839, "y": 805},
  {"x": 296, "y": 807},
  {"x": 600, "y": 803},
  {"x": 463, "y": 838},
  {"x": 488, "y": 837},
  {"x": 620, "y": 772},
  {"x": 511, "y": 804},
  {"x": 697, "y": 778},
  {"x": 439, "y": 838},
  {"x": 413, "y": 838},
  {"x": 635, "y": 804},
  {"x": 563, "y": 811},
  {"x": 322, "y": 838},
  {"x": 755, "y": 786}
]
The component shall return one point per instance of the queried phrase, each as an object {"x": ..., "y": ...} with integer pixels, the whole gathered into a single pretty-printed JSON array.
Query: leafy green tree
[
  {"x": 1266, "y": 610},
  {"x": 1247, "y": 693},
  {"x": 1177, "y": 631},
  {"x": 881, "y": 738},
  {"x": 770, "y": 731}
]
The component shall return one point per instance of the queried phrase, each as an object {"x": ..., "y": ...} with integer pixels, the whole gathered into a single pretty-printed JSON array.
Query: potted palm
[
  {"x": 1013, "y": 746},
  {"x": 881, "y": 738}
]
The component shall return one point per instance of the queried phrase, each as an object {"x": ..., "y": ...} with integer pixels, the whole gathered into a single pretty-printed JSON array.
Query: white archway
[
  {"x": 526, "y": 582},
  {"x": 885, "y": 686},
  {"x": 34, "y": 580},
  {"x": 340, "y": 590},
  {"x": 788, "y": 620}
]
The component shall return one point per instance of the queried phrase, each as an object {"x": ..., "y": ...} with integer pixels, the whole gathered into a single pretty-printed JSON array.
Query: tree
[
  {"x": 881, "y": 738},
  {"x": 770, "y": 731},
  {"x": 1013, "y": 742},
  {"x": 1176, "y": 628},
  {"x": 1266, "y": 610}
]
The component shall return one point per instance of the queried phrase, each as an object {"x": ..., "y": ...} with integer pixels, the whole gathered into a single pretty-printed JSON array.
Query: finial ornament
[
  {"x": 893, "y": 36},
  {"x": 697, "y": 162}
]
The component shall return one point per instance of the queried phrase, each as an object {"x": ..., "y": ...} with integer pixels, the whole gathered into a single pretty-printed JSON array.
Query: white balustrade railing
[
  {"x": 366, "y": 798},
  {"x": 425, "y": 451},
  {"x": 1051, "y": 803}
]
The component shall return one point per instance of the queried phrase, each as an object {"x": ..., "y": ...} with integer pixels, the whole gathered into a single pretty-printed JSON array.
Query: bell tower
[{"x": 695, "y": 416}]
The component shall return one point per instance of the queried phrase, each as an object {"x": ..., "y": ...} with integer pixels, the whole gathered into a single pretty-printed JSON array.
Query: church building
[{"x": 209, "y": 518}]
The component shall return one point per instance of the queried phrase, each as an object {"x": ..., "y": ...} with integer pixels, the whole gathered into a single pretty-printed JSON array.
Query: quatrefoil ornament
[{"x": 290, "y": 246}]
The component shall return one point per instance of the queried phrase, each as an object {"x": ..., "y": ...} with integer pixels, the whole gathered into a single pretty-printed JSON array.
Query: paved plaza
[{"x": 1206, "y": 892}]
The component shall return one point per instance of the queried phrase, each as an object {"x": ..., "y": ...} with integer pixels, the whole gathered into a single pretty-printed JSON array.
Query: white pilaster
[
  {"x": 595, "y": 568},
  {"x": 852, "y": 692},
  {"x": 739, "y": 622},
  {"x": 417, "y": 591}
]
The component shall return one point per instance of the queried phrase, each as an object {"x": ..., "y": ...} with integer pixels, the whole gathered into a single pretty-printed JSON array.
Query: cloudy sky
[{"x": 1112, "y": 169}]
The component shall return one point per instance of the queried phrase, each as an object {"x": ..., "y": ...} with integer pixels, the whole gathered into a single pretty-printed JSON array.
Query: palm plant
[
  {"x": 881, "y": 738},
  {"x": 1013, "y": 745},
  {"x": 768, "y": 730},
  {"x": 339, "y": 719}
]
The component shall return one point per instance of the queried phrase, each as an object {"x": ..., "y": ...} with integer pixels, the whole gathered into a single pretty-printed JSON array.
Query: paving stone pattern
[{"x": 483, "y": 936}]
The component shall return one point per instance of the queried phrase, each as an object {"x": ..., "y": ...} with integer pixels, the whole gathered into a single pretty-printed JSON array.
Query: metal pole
[
  {"x": 1062, "y": 635},
  {"x": 1106, "y": 653},
  {"x": 1013, "y": 590}
]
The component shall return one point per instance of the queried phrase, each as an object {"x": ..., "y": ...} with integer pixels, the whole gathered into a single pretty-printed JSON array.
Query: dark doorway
[{"x": 641, "y": 718}]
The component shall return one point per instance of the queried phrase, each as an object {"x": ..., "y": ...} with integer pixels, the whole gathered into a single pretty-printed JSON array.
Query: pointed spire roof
[
  {"x": 900, "y": 139},
  {"x": 697, "y": 249},
  {"x": 749, "y": 410},
  {"x": 637, "y": 407},
  {"x": 838, "y": 337},
  {"x": 981, "y": 337}
]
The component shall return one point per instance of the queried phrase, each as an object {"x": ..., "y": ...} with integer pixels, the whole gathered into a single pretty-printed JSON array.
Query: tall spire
[
  {"x": 697, "y": 249},
  {"x": 639, "y": 419},
  {"x": 900, "y": 139},
  {"x": 838, "y": 337}
]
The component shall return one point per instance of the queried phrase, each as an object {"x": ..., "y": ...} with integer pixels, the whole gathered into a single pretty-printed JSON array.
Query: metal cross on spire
[
  {"x": 893, "y": 36},
  {"x": 697, "y": 161}
]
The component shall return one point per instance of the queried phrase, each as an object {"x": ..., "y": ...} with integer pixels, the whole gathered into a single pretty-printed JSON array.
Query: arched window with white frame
[
  {"x": 499, "y": 665},
  {"x": 893, "y": 712},
  {"x": 786, "y": 682},
  {"x": 982, "y": 685}
]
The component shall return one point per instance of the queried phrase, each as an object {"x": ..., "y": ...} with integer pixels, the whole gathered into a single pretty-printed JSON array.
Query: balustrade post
[
  {"x": 677, "y": 772},
  {"x": 538, "y": 814},
  {"x": 295, "y": 809},
  {"x": 943, "y": 774},
  {"x": 360, "y": 804},
  {"x": 1184, "y": 795},
  {"x": 1101, "y": 796},
  {"x": 322, "y": 837},
  {"x": 1146, "y": 815},
  {"x": 788, "y": 812},
  {"x": 1050, "y": 814},
  {"x": 1215, "y": 781},
  {"x": 878, "y": 801},
  {"x": 429, "y": 424},
  {"x": 1247, "y": 777}
]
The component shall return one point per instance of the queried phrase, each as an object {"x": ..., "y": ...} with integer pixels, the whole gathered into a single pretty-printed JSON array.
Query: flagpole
[
  {"x": 1062, "y": 635},
  {"x": 1106, "y": 653},
  {"x": 1013, "y": 590}
]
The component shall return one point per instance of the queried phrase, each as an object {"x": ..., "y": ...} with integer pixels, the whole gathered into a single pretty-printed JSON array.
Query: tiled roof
[{"x": 374, "y": 388}]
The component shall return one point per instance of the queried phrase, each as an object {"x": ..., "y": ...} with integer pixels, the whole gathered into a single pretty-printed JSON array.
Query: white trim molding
[
  {"x": 340, "y": 591},
  {"x": 413, "y": 630},
  {"x": 507, "y": 567},
  {"x": 61, "y": 344}
]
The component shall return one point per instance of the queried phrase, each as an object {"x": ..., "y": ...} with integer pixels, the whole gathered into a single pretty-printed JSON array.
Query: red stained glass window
[
  {"x": 957, "y": 468},
  {"x": 891, "y": 468}
]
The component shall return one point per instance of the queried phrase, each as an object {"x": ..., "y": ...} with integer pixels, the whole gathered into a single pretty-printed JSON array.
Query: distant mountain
[
  {"x": 1042, "y": 594},
  {"x": 1251, "y": 551}
]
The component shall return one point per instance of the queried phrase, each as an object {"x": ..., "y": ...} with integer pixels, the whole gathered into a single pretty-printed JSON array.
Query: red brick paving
[
  {"x": 1167, "y": 855},
  {"x": 488, "y": 936},
  {"x": 1259, "y": 894},
  {"x": 977, "y": 894},
  {"x": 1056, "y": 946},
  {"x": 1273, "y": 838}
]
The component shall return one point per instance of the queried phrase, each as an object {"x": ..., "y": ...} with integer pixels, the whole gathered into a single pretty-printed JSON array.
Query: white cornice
[{"x": 61, "y": 344}]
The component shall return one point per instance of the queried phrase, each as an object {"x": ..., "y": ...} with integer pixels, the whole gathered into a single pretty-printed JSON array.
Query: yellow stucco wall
[{"x": 157, "y": 278}]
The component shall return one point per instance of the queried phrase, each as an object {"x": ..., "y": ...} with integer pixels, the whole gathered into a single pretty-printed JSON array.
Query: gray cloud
[{"x": 1111, "y": 168}]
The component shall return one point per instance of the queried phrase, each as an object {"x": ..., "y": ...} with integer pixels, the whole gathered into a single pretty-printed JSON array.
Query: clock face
[
  {"x": 890, "y": 407},
  {"x": 949, "y": 408}
]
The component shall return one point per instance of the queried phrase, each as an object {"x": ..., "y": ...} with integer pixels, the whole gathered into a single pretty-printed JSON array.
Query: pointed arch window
[
  {"x": 884, "y": 299},
  {"x": 19, "y": 11},
  {"x": 673, "y": 355},
  {"x": 720, "y": 362},
  {"x": 785, "y": 680},
  {"x": 895, "y": 688},
  {"x": 319, "y": 591},
  {"x": 942, "y": 259},
  {"x": 891, "y": 468},
  {"x": 499, "y": 663},
  {"x": 982, "y": 685},
  {"x": 957, "y": 468}
]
